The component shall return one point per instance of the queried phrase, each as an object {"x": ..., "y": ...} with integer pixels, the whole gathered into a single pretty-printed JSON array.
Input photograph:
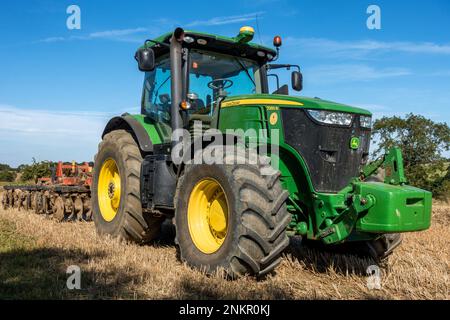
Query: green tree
[
  {"x": 4, "y": 167},
  {"x": 7, "y": 176},
  {"x": 423, "y": 143},
  {"x": 36, "y": 170}
]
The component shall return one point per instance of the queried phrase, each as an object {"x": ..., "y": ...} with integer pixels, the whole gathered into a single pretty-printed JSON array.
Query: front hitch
[
  {"x": 392, "y": 162},
  {"x": 379, "y": 208}
]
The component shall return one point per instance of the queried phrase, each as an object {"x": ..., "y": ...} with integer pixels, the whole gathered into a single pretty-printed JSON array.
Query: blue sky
[{"x": 58, "y": 87}]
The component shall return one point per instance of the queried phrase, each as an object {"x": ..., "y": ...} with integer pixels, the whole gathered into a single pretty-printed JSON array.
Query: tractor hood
[{"x": 291, "y": 101}]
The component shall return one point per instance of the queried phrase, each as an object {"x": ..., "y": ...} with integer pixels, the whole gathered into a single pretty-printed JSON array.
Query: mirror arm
[
  {"x": 282, "y": 66},
  {"x": 156, "y": 42},
  {"x": 277, "y": 78}
]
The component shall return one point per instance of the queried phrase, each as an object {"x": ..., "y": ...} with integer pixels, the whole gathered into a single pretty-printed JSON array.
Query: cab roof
[{"x": 220, "y": 44}]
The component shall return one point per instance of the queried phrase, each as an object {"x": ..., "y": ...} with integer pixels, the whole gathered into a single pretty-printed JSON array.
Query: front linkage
[{"x": 367, "y": 209}]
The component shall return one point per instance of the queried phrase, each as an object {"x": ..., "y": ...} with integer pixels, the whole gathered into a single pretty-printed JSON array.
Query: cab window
[
  {"x": 213, "y": 74},
  {"x": 156, "y": 97}
]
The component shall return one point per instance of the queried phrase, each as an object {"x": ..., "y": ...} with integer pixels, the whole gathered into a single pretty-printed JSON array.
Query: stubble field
[{"x": 35, "y": 253}]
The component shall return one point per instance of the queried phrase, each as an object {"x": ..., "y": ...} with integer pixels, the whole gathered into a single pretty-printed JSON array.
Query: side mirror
[
  {"x": 297, "y": 80},
  {"x": 146, "y": 59}
]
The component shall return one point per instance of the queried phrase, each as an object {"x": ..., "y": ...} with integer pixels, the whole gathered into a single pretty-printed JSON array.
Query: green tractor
[{"x": 305, "y": 172}]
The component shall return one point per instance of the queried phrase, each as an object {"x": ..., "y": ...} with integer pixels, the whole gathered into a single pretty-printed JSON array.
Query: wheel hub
[
  {"x": 109, "y": 190},
  {"x": 208, "y": 215},
  {"x": 216, "y": 219}
]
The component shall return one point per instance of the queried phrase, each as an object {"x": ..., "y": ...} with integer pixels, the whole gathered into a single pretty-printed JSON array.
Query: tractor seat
[{"x": 197, "y": 105}]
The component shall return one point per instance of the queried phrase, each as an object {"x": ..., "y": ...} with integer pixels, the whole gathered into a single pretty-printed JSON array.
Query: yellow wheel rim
[
  {"x": 208, "y": 215},
  {"x": 109, "y": 190}
]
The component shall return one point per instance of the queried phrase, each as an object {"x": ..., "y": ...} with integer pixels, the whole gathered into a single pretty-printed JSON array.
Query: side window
[{"x": 156, "y": 98}]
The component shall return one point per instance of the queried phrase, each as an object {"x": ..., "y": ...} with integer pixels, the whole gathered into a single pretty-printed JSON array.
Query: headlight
[
  {"x": 365, "y": 121},
  {"x": 330, "y": 117}
]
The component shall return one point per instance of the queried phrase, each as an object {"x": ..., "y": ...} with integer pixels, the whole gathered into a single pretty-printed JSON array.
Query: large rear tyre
[
  {"x": 231, "y": 217},
  {"x": 116, "y": 199}
]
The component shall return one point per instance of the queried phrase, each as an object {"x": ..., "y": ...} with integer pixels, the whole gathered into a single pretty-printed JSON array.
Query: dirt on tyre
[
  {"x": 116, "y": 200},
  {"x": 231, "y": 218}
]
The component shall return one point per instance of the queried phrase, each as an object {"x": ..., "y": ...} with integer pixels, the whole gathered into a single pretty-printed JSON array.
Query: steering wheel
[{"x": 222, "y": 84}]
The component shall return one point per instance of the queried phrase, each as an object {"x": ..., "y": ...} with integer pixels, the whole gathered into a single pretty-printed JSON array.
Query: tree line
[{"x": 26, "y": 172}]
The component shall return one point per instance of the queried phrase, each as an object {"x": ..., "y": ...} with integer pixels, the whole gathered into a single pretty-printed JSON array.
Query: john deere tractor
[{"x": 306, "y": 171}]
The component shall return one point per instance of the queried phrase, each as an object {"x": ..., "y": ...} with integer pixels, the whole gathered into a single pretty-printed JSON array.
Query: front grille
[{"x": 326, "y": 149}]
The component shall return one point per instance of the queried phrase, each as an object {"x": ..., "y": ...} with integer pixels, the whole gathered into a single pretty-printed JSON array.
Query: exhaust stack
[{"x": 176, "y": 79}]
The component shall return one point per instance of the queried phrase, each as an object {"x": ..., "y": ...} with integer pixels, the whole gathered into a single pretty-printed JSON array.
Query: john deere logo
[
  {"x": 273, "y": 118},
  {"x": 354, "y": 143}
]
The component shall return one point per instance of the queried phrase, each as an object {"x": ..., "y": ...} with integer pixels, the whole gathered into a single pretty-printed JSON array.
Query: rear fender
[
  {"x": 213, "y": 139},
  {"x": 127, "y": 122}
]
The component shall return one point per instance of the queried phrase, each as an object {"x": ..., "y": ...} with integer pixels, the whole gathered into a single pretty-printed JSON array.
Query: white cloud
[
  {"x": 51, "y": 39},
  {"x": 372, "y": 107},
  {"x": 364, "y": 47},
  {"x": 115, "y": 34},
  {"x": 49, "y": 134},
  {"x": 350, "y": 72},
  {"x": 440, "y": 73},
  {"x": 42, "y": 122},
  {"x": 217, "y": 21}
]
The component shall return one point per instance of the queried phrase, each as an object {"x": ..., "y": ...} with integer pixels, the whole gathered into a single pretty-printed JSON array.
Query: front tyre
[
  {"x": 231, "y": 217},
  {"x": 381, "y": 248},
  {"x": 116, "y": 198}
]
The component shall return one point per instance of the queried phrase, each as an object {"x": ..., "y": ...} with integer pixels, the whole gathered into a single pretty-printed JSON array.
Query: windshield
[
  {"x": 210, "y": 75},
  {"x": 213, "y": 74}
]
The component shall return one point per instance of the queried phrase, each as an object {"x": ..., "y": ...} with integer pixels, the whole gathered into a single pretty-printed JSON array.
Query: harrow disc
[
  {"x": 87, "y": 208},
  {"x": 59, "y": 208},
  {"x": 5, "y": 200},
  {"x": 78, "y": 209}
]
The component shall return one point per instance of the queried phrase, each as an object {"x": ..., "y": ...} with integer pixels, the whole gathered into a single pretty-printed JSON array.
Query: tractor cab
[{"x": 210, "y": 69}]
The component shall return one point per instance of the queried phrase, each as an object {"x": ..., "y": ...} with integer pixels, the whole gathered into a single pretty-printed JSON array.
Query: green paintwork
[
  {"x": 396, "y": 209},
  {"x": 158, "y": 132},
  {"x": 308, "y": 103},
  {"x": 393, "y": 166},
  {"x": 372, "y": 167},
  {"x": 392, "y": 162},
  {"x": 242, "y": 118}
]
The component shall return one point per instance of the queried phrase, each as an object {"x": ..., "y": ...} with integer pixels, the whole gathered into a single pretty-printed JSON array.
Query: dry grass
[{"x": 35, "y": 252}]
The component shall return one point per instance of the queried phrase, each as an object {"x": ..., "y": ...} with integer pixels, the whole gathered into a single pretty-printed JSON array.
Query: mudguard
[{"x": 127, "y": 122}]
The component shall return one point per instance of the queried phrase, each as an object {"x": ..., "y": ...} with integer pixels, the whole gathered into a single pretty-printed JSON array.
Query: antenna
[{"x": 258, "y": 30}]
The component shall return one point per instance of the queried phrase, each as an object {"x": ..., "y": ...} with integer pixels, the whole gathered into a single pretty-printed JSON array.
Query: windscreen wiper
[
  {"x": 157, "y": 90},
  {"x": 245, "y": 69}
]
